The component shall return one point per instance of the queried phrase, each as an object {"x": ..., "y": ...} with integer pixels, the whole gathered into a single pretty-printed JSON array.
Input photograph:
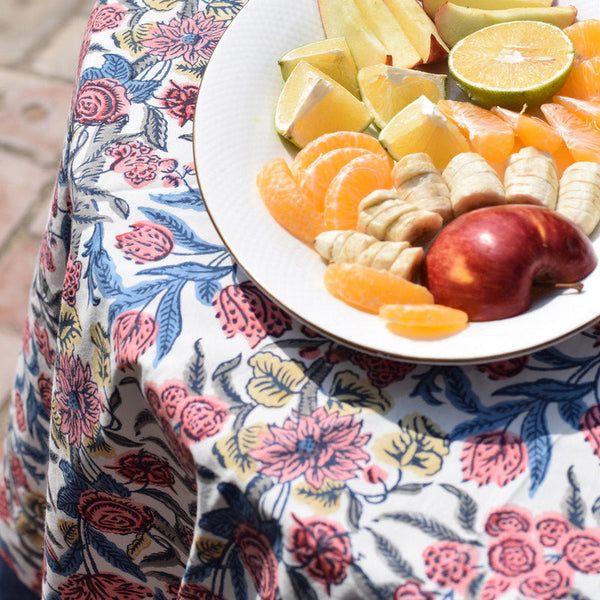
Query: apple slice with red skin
[{"x": 486, "y": 261}]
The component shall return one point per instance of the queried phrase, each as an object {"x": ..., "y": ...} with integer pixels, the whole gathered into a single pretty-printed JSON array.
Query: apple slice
[
  {"x": 381, "y": 21},
  {"x": 455, "y": 22},
  {"x": 420, "y": 29},
  {"x": 431, "y": 6},
  {"x": 341, "y": 18}
]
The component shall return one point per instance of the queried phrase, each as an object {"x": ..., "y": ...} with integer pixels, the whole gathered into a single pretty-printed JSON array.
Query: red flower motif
[
  {"x": 19, "y": 411},
  {"x": 547, "y": 584},
  {"x": 45, "y": 388},
  {"x": 494, "y": 588},
  {"x": 449, "y": 564},
  {"x": 375, "y": 474},
  {"x": 317, "y": 446},
  {"x": 78, "y": 404},
  {"x": 202, "y": 417},
  {"x": 192, "y": 38},
  {"x": 322, "y": 548},
  {"x": 169, "y": 399},
  {"x": 114, "y": 514},
  {"x": 411, "y": 590},
  {"x": 513, "y": 556},
  {"x": 507, "y": 520},
  {"x": 46, "y": 258},
  {"x": 196, "y": 591},
  {"x": 100, "y": 101},
  {"x": 551, "y": 530},
  {"x": 133, "y": 333},
  {"x": 590, "y": 424},
  {"x": 5, "y": 506},
  {"x": 259, "y": 560},
  {"x": 71, "y": 281},
  {"x": 180, "y": 101},
  {"x": 42, "y": 342},
  {"x": 496, "y": 457},
  {"x": 102, "y": 586},
  {"x": 147, "y": 242},
  {"x": 381, "y": 371},
  {"x": 106, "y": 17},
  {"x": 504, "y": 369},
  {"x": 582, "y": 552},
  {"x": 17, "y": 472},
  {"x": 137, "y": 162},
  {"x": 144, "y": 468},
  {"x": 244, "y": 309}
]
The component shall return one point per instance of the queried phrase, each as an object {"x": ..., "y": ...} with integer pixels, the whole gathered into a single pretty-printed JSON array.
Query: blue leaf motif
[
  {"x": 168, "y": 317},
  {"x": 557, "y": 359},
  {"x": 116, "y": 67},
  {"x": 238, "y": 578},
  {"x": 206, "y": 290},
  {"x": 189, "y": 271},
  {"x": 142, "y": 90},
  {"x": 548, "y": 390},
  {"x": 536, "y": 436},
  {"x": 427, "y": 387},
  {"x": 459, "y": 392},
  {"x": 155, "y": 128},
  {"x": 187, "y": 199},
  {"x": 69, "y": 562},
  {"x": 571, "y": 411},
  {"x": 113, "y": 554},
  {"x": 91, "y": 74}
]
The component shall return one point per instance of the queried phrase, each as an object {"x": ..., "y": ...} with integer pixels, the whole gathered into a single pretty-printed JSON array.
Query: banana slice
[
  {"x": 386, "y": 216},
  {"x": 399, "y": 258},
  {"x": 531, "y": 177},
  {"x": 579, "y": 195}
]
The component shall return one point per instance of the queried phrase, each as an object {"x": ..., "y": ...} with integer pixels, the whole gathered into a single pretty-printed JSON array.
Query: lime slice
[
  {"x": 386, "y": 90},
  {"x": 421, "y": 127},
  {"x": 331, "y": 56},
  {"x": 512, "y": 64},
  {"x": 311, "y": 104}
]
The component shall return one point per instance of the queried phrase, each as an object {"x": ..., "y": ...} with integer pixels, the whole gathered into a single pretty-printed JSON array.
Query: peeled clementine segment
[
  {"x": 354, "y": 181},
  {"x": 288, "y": 204},
  {"x": 580, "y": 136},
  {"x": 423, "y": 321},
  {"x": 588, "y": 109},
  {"x": 369, "y": 289},
  {"x": 487, "y": 133},
  {"x": 584, "y": 80},
  {"x": 530, "y": 130},
  {"x": 333, "y": 141},
  {"x": 585, "y": 35}
]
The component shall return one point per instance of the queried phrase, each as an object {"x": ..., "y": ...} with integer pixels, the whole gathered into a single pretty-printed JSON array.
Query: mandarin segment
[
  {"x": 585, "y": 36},
  {"x": 583, "y": 81},
  {"x": 424, "y": 321},
  {"x": 368, "y": 289}
]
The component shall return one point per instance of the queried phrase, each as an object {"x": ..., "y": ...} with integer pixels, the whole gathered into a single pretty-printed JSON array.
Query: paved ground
[{"x": 39, "y": 48}]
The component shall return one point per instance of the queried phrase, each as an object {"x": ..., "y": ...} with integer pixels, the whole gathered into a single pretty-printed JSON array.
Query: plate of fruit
[{"x": 414, "y": 178}]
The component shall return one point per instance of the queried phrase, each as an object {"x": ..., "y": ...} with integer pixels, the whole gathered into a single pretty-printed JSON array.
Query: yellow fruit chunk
[
  {"x": 423, "y": 321},
  {"x": 331, "y": 56},
  {"x": 311, "y": 104},
  {"x": 369, "y": 289},
  {"x": 421, "y": 127},
  {"x": 512, "y": 64},
  {"x": 386, "y": 89}
]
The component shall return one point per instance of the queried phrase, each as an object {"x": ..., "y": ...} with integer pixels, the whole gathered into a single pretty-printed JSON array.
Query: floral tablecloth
[{"x": 175, "y": 434}]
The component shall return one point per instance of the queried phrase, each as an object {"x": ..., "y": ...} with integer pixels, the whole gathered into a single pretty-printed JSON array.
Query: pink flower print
[
  {"x": 138, "y": 163},
  {"x": 106, "y": 17},
  {"x": 494, "y": 588},
  {"x": 172, "y": 395},
  {"x": 180, "y": 101},
  {"x": 260, "y": 561},
  {"x": 551, "y": 529},
  {"x": 46, "y": 257},
  {"x": 450, "y": 564},
  {"x": 582, "y": 552},
  {"x": 508, "y": 520},
  {"x": 19, "y": 411},
  {"x": 194, "y": 591},
  {"x": 133, "y": 333},
  {"x": 412, "y": 590},
  {"x": 71, "y": 281},
  {"x": 5, "y": 506},
  {"x": 26, "y": 336},
  {"x": 78, "y": 404},
  {"x": 147, "y": 242},
  {"x": 382, "y": 372},
  {"x": 317, "y": 446},
  {"x": 322, "y": 548},
  {"x": 192, "y": 38},
  {"x": 203, "y": 417},
  {"x": 590, "y": 424},
  {"x": 45, "y": 389},
  {"x": 99, "y": 101},
  {"x": 144, "y": 468},
  {"x": 244, "y": 309},
  {"x": 513, "y": 556},
  {"x": 548, "y": 583},
  {"x": 42, "y": 342},
  {"x": 496, "y": 457},
  {"x": 375, "y": 474},
  {"x": 102, "y": 586},
  {"x": 504, "y": 369}
]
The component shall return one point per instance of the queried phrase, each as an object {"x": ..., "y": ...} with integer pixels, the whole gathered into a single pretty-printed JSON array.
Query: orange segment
[
  {"x": 488, "y": 134},
  {"x": 369, "y": 289},
  {"x": 287, "y": 203},
  {"x": 585, "y": 36},
  {"x": 581, "y": 138},
  {"x": 423, "y": 321},
  {"x": 588, "y": 109},
  {"x": 332, "y": 141},
  {"x": 530, "y": 130},
  {"x": 584, "y": 80},
  {"x": 315, "y": 179},
  {"x": 354, "y": 181}
]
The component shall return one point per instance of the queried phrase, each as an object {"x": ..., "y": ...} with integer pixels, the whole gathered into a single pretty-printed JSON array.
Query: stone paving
[{"x": 39, "y": 49}]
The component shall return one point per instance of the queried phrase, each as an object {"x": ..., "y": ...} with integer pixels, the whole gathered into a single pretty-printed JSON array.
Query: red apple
[{"x": 486, "y": 261}]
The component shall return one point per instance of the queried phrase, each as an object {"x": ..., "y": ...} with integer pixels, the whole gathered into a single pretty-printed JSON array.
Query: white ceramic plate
[{"x": 234, "y": 137}]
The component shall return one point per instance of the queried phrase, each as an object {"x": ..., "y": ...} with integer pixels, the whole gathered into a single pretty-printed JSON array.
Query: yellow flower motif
[
  {"x": 209, "y": 549},
  {"x": 353, "y": 394},
  {"x": 69, "y": 531},
  {"x": 420, "y": 446},
  {"x": 101, "y": 359},
  {"x": 131, "y": 39},
  {"x": 323, "y": 501},
  {"x": 232, "y": 450},
  {"x": 275, "y": 381},
  {"x": 161, "y": 5},
  {"x": 69, "y": 329}
]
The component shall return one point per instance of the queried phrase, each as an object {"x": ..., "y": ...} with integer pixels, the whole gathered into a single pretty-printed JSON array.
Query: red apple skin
[{"x": 485, "y": 261}]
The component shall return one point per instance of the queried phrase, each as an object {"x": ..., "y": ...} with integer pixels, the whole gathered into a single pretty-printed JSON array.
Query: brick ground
[{"x": 39, "y": 48}]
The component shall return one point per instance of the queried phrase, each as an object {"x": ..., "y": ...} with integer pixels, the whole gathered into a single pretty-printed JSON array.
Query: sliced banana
[
  {"x": 386, "y": 216},
  {"x": 399, "y": 258},
  {"x": 579, "y": 195}
]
